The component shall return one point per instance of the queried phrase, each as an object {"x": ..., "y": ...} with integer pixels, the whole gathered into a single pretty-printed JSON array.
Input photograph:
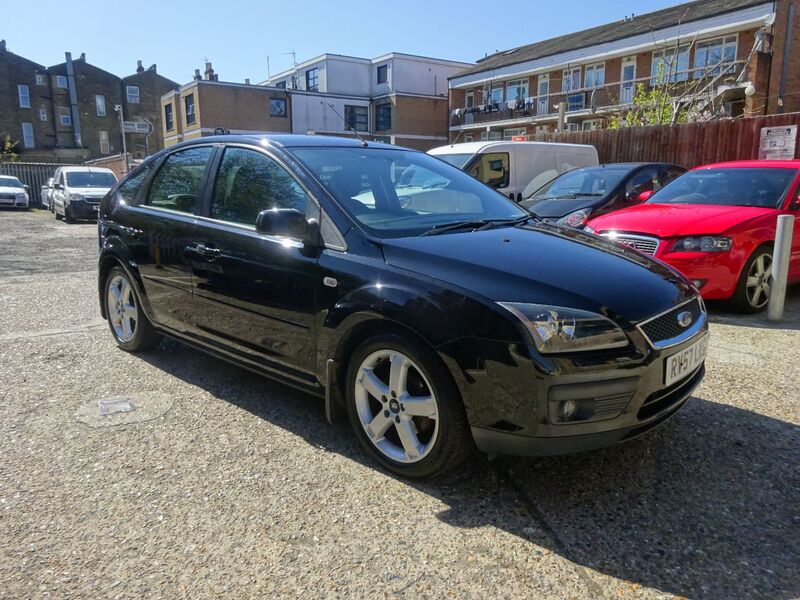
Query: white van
[
  {"x": 77, "y": 191},
  {"x": 517, "y": 169}
]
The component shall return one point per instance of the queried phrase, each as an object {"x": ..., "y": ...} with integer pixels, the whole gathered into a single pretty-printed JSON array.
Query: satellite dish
[{"x": 593, "y": 101}]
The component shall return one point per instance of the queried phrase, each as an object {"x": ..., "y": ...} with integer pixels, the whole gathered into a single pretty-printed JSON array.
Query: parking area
[{"x": 225, "y": 484}]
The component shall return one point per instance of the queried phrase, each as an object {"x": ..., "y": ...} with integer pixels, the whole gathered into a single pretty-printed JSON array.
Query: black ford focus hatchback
[{"x": 433, "y": 312}]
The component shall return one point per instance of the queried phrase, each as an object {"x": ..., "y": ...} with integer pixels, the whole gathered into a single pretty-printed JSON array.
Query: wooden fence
[{"x": 688, "y": 145}]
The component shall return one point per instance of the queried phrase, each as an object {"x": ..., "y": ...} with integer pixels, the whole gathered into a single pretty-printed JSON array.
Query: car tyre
[
  {"x": 130, "y": 327},
  {"x": 57, "y": 214},
  {"x": 752, "y": 290},
  {"x": 405, "y": 407},
  {"x": 68, "y": 215}
]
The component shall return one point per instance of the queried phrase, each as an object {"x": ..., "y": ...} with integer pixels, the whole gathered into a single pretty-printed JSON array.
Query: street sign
[
  {"x": 135, "y": 127},
  {"x": 778, "y": 143}
]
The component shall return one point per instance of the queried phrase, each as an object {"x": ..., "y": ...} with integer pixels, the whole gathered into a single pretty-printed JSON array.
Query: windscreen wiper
[
  {"x": 508, "y": 222},
  {"x": 445, "y": 227},
  {"x": 572, "y": 196}
]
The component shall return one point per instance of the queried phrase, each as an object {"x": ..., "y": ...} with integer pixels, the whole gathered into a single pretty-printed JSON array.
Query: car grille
[
  {"x": 5, "y": 198},
  {"x": 93, "y": 199},
  {"x": 664, "y": 328},
  {"x": 646, "y": 245}
]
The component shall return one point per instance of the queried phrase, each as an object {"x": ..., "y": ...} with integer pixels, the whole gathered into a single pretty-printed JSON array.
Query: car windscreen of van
[
  {"x": 90, "y": 179},
  {"x": 457, "y": 160}
]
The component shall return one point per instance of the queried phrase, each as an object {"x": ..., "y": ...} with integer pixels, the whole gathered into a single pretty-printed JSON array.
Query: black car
[
  {"x": 438, "y": 317},
  {"x": 576, "y": 196}
]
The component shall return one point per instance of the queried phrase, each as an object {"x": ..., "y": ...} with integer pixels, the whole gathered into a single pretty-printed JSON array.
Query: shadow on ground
[
  {"x": 704, "y": 507},
  {"x": 720, "y": 312}
]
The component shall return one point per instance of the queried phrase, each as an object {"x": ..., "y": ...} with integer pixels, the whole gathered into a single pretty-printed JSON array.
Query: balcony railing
[{"x": 607, "y": 98}]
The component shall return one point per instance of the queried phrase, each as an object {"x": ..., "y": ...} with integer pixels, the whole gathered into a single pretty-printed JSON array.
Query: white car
[
  {"x": 13, "y": 194},
  {"x": 77, "y": 191},
  {"x": 47, "y": 194}
]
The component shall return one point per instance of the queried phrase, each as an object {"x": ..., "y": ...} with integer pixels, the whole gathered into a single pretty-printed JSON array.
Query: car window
[
  {"x": 644, "y": 181},
  {"x": 10, "y": 182},
  {"x": 673, "y": 173},
  {"x": 591, "y": 181},
  {"x": 90, "y": 179},
  {"x": 492, "y": 169},
  {"x": 129, "y": 189},
  {"x": 249, "y": 182},
  {"x": 177, "y": 184}
]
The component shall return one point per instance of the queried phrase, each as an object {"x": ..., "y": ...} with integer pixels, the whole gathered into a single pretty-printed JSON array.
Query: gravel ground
[{"x": 225, "y": 484}]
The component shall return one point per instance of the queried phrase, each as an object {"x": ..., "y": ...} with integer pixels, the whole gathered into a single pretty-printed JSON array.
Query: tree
[{"x": 8, "y": 149}]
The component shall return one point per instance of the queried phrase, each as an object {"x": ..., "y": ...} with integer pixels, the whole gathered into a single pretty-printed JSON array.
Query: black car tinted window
[
  {"x": 129, "y": 189},
  {"x": 249, "y": 182},
  {"x": 177, "y": 184},
  {"x": 644, "y": 181}
]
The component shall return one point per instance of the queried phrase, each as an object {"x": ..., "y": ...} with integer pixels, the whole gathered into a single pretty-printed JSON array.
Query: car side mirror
[
  {"x": 287, "y": 222},
  {"x": 640, "y": 197},
  {"x": 58, "y": 186},
  {"x": 796, "y": 204},
  {"x": 27, "y": 187}
]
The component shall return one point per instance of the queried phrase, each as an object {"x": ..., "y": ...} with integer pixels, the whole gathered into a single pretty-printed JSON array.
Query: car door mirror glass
[
  {"x": 58, "y": 186},
  {"x": 641, "y": 197},
  {"x": 288, "y": 222}
]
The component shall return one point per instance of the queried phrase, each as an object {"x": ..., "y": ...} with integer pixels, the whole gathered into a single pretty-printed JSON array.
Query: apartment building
[
  {"x": 66, "y": 111},
  {"x": 724, "y": 55},
  {"x": 397, "y": 98},
  {"x": 207, "y": 106}
]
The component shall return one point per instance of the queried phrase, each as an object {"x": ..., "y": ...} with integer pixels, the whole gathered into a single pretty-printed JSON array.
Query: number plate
[{"x": 684, "y": 362}]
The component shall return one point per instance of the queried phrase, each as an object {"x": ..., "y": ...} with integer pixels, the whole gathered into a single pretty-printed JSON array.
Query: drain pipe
[
  {"x": 780, "y": 267},
  {"x": 73, "y": 101},
  {"x": 787, "y": 50}
]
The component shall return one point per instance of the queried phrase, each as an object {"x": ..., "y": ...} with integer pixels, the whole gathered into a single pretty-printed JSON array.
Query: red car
[{"x": 716, "y": 225}]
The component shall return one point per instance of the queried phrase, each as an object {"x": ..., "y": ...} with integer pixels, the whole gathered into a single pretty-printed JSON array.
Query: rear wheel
[
  {"x": 405, "y": 408},
  {"x": 752, "y": 290},
  {"x": 130, "y": 326}
]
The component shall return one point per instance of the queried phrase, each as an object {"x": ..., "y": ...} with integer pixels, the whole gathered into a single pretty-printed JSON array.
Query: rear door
[
  {"x": 159, "y": 230},
  {"x": 255, "y": 292}
]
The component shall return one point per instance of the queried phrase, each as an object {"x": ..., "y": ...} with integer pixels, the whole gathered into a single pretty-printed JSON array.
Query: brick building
[
  {"x": 67, "y": 111},
  {"x": 206, "y": 105},
  {"x": 725, "y": 56}
]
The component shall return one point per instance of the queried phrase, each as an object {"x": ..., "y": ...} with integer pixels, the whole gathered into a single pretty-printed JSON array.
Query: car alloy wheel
[
  {"x": 396, "y": 406},
  {"x": 121, "y": 306},
  {"x": 759, "y": 280}
]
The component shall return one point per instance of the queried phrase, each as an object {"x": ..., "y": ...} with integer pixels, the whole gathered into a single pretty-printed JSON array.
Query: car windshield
[
  {"x": 399, "y": 193},
  {"x": 90, "y": 179},
  {"x": 10, "y": 182},
  {"x": 764, "y": 187},
  {"x": 457, "y": 160},
  {"x": 590, "y": 181}
]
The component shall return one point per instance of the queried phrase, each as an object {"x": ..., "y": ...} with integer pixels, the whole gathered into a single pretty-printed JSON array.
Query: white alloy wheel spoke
[
  {"x": 408, "y": 437},
  {"x": 419, "y": 406},
  {"x": 398, "y": 374},
  {"x": 378, "y": 426},
  {"x": 373, "y": 384}
]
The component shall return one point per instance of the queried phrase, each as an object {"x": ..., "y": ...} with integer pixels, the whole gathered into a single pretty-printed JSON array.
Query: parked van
[
  {"x": 77, "y": 191},
  {"x": 516, "y": 169}
]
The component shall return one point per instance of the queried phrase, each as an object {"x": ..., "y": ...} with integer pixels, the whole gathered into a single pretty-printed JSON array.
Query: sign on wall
[
  {"x": 778, "y": 143},
  {"x": 135, "y": 127}
]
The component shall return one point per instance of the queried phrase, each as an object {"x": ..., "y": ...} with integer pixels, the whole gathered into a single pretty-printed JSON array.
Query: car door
[
  {"x": 160, "y": 225},
  {"x": 255, "y": 292},
  {"x": 58, "y": 192}
]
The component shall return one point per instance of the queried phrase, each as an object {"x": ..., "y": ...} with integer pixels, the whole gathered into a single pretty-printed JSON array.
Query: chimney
[
  {"x": 210, "y": 72},
  {"x": 153, "y": 68},
  {"x": 2, "y": 45},
  {"x": 247, "y": 81},
  {"x": 197, "y": 76},
  {"x": 83, "y": 56},
  {"x": 139, "y": 67}
]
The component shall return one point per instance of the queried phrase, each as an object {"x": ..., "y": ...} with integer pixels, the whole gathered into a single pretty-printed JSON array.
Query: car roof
[
  {"x": 476, "y": 147},
  {"x": 286, "y": 140},
  {"x": 84, "y": 169},
  {"x": 742, "y": 164},
  {"x": 630, "y": 165}
]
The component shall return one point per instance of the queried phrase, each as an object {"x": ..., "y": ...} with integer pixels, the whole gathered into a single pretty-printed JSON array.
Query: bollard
[{"x": 780, "y": 267}]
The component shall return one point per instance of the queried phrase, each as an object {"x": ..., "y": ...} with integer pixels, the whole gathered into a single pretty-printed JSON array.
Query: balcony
[{"x": 609, "y": 98}]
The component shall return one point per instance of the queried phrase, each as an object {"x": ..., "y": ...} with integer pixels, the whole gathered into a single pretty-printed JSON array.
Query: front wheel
[
  {"x": 68, "y": 215},
  {"x": 405, "y": 407},
  {"x": 129, "y": 325},
  {"x": 752, "y": 290}
]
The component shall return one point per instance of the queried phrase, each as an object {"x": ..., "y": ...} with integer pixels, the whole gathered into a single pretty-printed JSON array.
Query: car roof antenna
[{"x": 346, "y": 124}]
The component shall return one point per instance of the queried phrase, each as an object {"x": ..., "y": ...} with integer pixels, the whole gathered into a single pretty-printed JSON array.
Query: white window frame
[
  {"x": 516, "y": 84},
  {"x": 592, "y": 124},
  {"x": 39, "y": 78},
  {"x": 65, "y": 117},
  {"x": 135, "y": 97},
  {"x": 509, "y": 133},
  {"x": 568, "y": 79},
  {"x": 43, "y": 114},
  {"x": 492, "y": 87},
  {"x": 725, "y": 41},
  {"x": 24, "y": 94},
  {"x": 543, "y": 98},
  {"x": 105, "y": 146},
  {"x": 594, "y": 69},
  {"x": 469, "y": 138},
  {"x": 28, "y": 140},
  {"x": 491, "y": 136},
  {"x": 627, "y": 87},
  {"x": 98, "y": 103},
  {"x": 62, "y": 82},
  {"x": 675, "y": 75},
  {"x": 467, "y": 97}
]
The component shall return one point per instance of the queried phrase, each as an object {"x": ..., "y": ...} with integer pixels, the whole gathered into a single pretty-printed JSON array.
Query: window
[
  {"x": 39, "y": 79},
  {"x": 543, "y": 92},
  {"x": 570, "y": 82},
  {"x": 595, "y": 76},
  {"x": 177, "y": 184},
  {"x": 64, "y": 116},
  {"x": 469, "y": 99},
  {"x": 188, "y": 103},
  {"x": 24, "y": 96},
  {"x": 491, "y": 136},
  {"x": 383, "y": 117},
  {"x": 129, "y": 190},
  {"x": 494, "y": 92},
  {"x": 592, "y": 124},
  {"x": 312, "y": 80},
  {"x": 356, "y": 117},
  {"x": 281, "y": 85},
  {"x": 710, "y": 56},
  {"x": 277, "y": 107},
  {"x": 469, "y": 138},
  {"x": 27, "y": 135},
  {"x": 104, "y": 145},
  {"x": 169, "y": 117},
  {"x": 61, "y": 82},
  {"x": 510, "y": 133},
  {"x": 491, "y": 169},
  {"x": 383, "y": 74},
  {"x": 644, "y": 181},
  {"x": 133, "y": 93},
  {"x": 249, "y": 182},
  {"x": 517, "y": 90},
  {"x": 627, "y": 89},
  {"x": 100, "y": 105},
  {"x": 667, "y": 67},
  {"x": 43, "y": 114}
]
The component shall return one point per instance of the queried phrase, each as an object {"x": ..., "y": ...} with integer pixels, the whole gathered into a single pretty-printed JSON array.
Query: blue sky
[{"x": 238, "y": 35}]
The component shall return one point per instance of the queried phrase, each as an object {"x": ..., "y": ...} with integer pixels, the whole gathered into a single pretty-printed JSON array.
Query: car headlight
[
  {"x": 588, "y": 229},
  {"x": 75, "y": 197},
  {"x": 574, "y": 219},
  {"x": 703, "y": 243},
  {"x": 21, "y": 196},
  {"x": 559, "y": 329}
]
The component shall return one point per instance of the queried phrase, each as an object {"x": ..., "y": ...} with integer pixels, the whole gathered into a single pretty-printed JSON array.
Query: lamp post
[{"x": 118, "y": 109}]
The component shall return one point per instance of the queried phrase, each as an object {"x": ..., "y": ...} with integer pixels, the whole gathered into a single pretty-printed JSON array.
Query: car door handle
[{"x": 203, "y": 250}]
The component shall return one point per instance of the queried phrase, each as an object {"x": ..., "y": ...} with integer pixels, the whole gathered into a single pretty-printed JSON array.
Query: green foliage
[
  {"x": 8, "y": 149},
  {"x": 653, "y": 106}
]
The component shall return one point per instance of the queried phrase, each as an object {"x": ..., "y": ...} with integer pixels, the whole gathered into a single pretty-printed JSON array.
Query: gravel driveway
[{"x": 225, "y": 484}]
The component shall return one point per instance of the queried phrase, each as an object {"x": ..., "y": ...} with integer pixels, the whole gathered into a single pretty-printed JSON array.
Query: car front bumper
[
  {"x": 83, "y": 210},
  {"x": 717, "y": 273}
]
